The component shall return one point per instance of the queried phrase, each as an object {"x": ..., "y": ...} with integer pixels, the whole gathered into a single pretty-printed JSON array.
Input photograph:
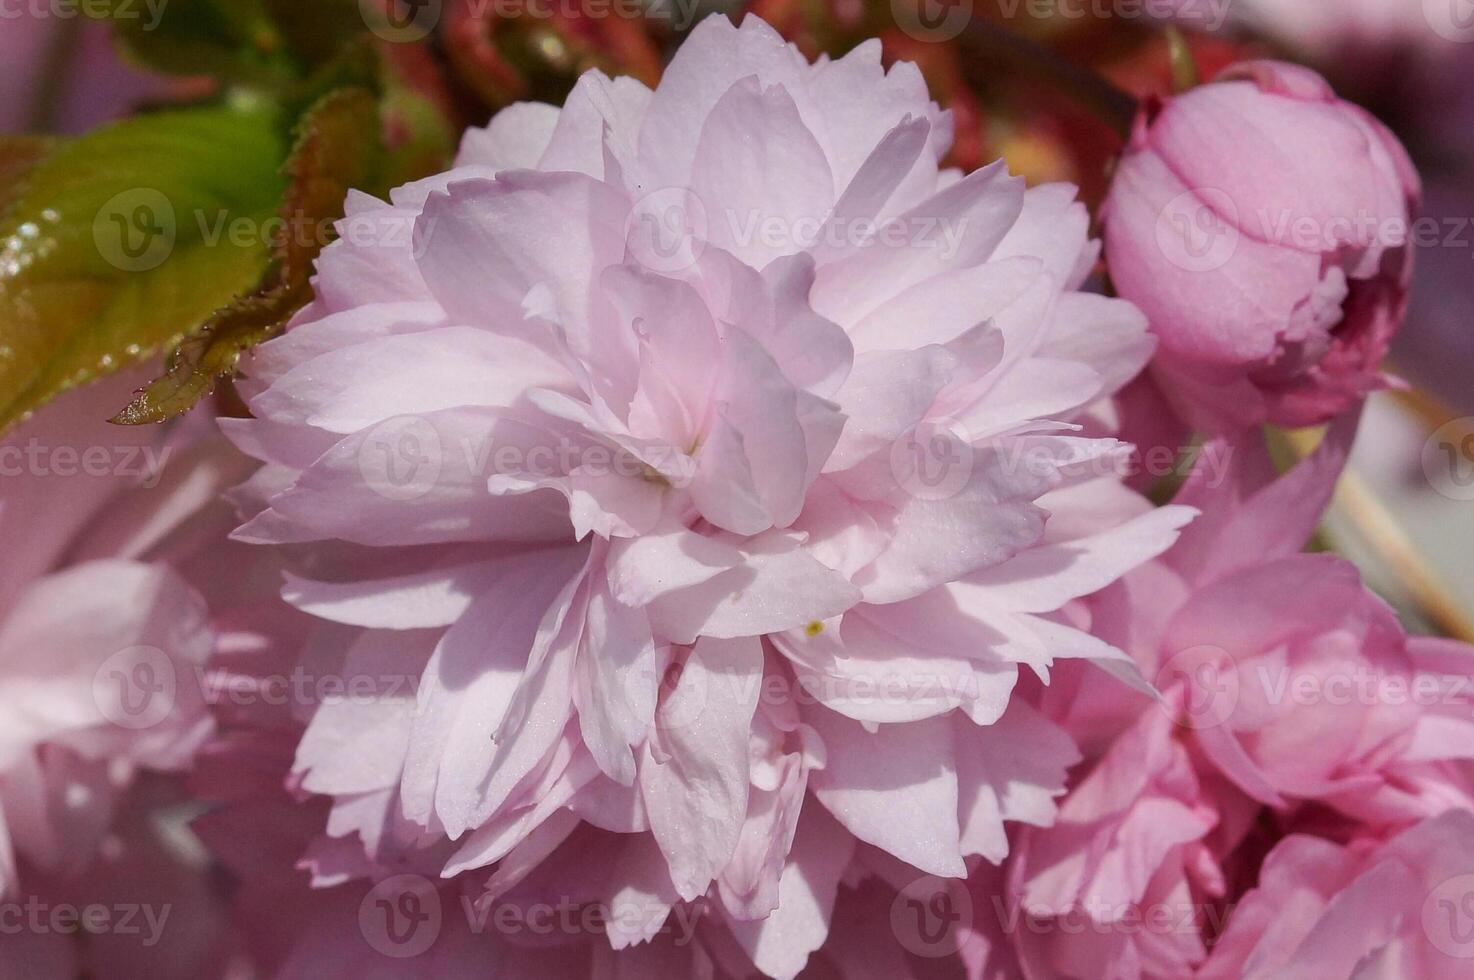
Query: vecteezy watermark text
[
  {"x": 408, "y": 21},
  {"x": 405, "y": 915},
  {"x": 150, "y": 12},
  {"x": 36, "y": 458},
  {"x": 943, "y": 20},
  {"x": 39, "y": 918},
  {"x": 139, "y": 229}
]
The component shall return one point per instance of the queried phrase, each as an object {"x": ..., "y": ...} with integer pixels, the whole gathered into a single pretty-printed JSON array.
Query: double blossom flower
[{"x": 714, "y": 460}]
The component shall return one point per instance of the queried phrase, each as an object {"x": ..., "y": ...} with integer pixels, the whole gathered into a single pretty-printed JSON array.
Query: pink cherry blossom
[
  {"x": 706, "y": 456},
  {"x": 1265, "y": 228},
  {"x": 101, "y": 646},
  {"x": 1289, "y": 697},
  {"x": 1140, "y": 836},
  {"x": 1319, "y": 693},
  {"x": 113, "y": 601},
  {"x": 1398, "y": 908},
  {"x": 696, "y": 535}
]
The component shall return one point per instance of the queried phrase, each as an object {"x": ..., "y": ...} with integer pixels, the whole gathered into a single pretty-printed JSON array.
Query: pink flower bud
[{"x": 1265, "y": 228}]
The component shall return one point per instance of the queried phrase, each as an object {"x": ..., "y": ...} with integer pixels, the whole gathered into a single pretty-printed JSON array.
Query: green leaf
[
  {"x": 338, "y": 148},
  {"x": 121, "y": 243}
]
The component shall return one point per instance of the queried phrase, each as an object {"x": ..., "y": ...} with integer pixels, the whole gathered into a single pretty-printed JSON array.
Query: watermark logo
[
  {"x": 1208, "y": 685},
  {"x": 401, "y": 458},
  {"x": 135, "y": 231},
  {"x": 683, "y": 694},
  {"x": 932, "y": 20},
  {"x": 1452, "y": 20},
  {"x": 1448, "y": 917},
  {"x": 401, "y": 21},
  {"x": 136, "y": 688},
  {"x": 931, "y": 916},
  {"x": 401, "y": 917},
  {"x": 934, "y": 460},
  {"x": 1448, "y": 459},
  {"x": 667, "y": 230},
  {"x": 1198, "y": 231}
]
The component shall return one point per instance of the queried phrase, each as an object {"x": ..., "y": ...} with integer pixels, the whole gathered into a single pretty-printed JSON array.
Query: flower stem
[
  {"x": 1385, "y": 538},
  {"x": 993, "y": 45}
]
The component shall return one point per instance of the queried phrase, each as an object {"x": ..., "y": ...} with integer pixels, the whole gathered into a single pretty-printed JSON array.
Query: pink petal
[
  {"x": 514, "y": 139},
  {"x": 694, "y": 773},
  {"x": 757, "y": 167},
  {"x": 896, "y": 788}
]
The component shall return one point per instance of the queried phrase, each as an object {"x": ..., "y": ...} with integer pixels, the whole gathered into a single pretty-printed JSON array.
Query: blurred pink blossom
[
  {"x": 64, "y": 75},
  {"x": 104, "y": 642},
  {"x": 1366, "y": 908}
]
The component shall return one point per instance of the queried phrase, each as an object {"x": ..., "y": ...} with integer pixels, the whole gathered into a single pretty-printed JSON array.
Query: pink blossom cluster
[{"x": 706, "y": 545}]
